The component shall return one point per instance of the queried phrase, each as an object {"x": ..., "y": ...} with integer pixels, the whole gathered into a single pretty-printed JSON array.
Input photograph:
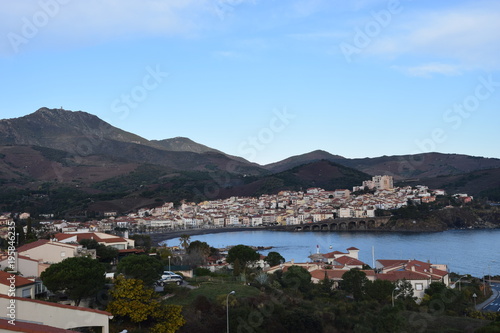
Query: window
[
  {"x": 63, "y": 254},
  {"x": 419, "y": 286},
  {"x": 26, "y": 292}
]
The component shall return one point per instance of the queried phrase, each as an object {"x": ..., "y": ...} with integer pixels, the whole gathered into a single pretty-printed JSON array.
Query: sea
[{"x": 475, "y": 252}]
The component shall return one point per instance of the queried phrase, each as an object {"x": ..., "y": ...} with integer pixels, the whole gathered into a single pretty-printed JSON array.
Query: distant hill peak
[{"x": 306, "y": 158}]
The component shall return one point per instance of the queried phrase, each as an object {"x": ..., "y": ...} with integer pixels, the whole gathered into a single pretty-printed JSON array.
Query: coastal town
[
  {"x": 70, "y": 240},
  {"x": 408, "y": 279},
  {"x": 283, "y": 208}
]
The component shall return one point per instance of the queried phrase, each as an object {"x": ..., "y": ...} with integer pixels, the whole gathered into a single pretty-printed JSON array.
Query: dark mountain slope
[
  {"x": 297, "y": 160},
  {"x": 323, "y": 173},
  {"x": 421, "y": 166},
  {"x": 82, "y": 134}
]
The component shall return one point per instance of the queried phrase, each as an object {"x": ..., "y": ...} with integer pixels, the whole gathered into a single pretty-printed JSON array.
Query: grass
[{"x": 211, "y": 290}]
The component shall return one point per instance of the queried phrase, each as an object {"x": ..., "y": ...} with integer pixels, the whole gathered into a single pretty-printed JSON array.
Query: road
[{"x": 494, "y": 306}]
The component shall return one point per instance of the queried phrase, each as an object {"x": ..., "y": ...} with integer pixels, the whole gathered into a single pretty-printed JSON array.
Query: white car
[{"x": 169, "y": 276}]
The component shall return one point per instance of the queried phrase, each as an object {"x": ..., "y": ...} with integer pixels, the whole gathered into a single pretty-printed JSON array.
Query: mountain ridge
[
  {"x": 81, "y": 133},
  {"x": 76, "y": 159}
]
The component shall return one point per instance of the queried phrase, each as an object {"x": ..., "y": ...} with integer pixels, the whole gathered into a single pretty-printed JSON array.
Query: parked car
[{"x": 169, "y": 277}]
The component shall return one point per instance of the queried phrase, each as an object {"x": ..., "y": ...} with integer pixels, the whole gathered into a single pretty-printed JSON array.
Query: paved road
[{"x": 495, "y": 304}]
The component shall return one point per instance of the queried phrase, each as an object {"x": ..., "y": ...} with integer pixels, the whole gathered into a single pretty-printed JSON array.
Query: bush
[{"x": 199, "y": 271}]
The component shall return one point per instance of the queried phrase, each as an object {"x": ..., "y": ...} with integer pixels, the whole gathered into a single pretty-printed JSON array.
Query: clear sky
[{"x": 265, "y": 79}]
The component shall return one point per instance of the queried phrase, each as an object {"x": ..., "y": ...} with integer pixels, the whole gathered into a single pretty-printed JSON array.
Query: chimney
[{"x": 413, "y": 268}]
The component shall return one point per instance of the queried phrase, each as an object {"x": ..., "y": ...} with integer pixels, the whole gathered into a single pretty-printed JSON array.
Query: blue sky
[{"x": 265, "y": 79}]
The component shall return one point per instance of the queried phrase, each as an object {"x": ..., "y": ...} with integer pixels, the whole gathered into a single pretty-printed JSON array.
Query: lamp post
[
  {"x": 395, "y": 289},
  {"x": 484, "y": 283},
  {"x": 169, "y": 263},
  {"x": 459, "y": 284},
  {"x": 227, "y": 309}
]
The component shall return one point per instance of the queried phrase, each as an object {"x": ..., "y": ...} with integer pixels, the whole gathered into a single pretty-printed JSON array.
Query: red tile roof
[
  {"x": 92, "y": 235},
  {"x": 424, "y": 267},
  {"x": 32, "y": 245},
  {"x": 61, "y": 236},
  {"x": 19, "y": 280},
  {"x": 346, "y": 260},
  {"x": 335, "y": 274},
  {"x": 21, "y": 326},
  {"x": 4, "y": 256},
  {"x": 41, "y": 242},
  {"x": 333, "y": 254},
  {"x": 400, "y": 275}
]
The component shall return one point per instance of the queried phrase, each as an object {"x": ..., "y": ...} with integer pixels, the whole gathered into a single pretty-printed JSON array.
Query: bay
[{"x": 475, "y": 252}]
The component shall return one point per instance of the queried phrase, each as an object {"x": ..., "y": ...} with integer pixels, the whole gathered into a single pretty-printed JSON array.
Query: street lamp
[
  {"x": 227, "y": 308},
  {"x": 169, "y": 263},
  {"x": 395, "y": 289},
  {"x": 459, "y": 284}
]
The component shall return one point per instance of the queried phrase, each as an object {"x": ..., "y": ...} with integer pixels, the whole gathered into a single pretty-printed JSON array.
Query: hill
[
  {"x": 483, "y": 183},
  {"x": 297, "y": 160},
  {"x": 421, "y": 166},
  {"x": 401, "y": 167},
  {"x": 81, "y": 134},
  {"x": 324, "y": 174},
  {"x": 188, "y": 145},
  {"x": 74, "y": 163}
]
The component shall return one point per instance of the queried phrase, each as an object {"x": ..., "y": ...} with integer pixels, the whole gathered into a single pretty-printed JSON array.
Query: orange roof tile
[{"x": 19, "y": 281}]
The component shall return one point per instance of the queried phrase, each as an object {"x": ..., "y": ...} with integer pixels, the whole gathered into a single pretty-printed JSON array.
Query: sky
[{"x": 264, "y": 79}]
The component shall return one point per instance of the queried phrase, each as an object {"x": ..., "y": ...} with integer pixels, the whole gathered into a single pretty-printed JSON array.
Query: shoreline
[
  {"x": 164, "y": 236},
  {"x": 156, "y": 238}
]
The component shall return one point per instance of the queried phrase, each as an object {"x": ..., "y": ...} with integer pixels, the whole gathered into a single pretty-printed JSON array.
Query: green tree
[
  {"x": 130, "y": 298},
  {"x": 143, "y": 267},
  {"x": 164, "y": 253},
  {"x": 274, "y": 258},
  {"x": 104, "y": 253},
  {"x": 199, "y": 247},
  {"x": 354, "y": 282},
  {"x": 78, "y": 277},
  {"x": 142, "y": 241},
  {"x": 168, "y": 318},
  {"x": 198, "y": 252},
  {"x": 185, "y": 240},
  {"x": 297, "y": 277},
  {"x": 326, "y": 285},
  {"x": 380, "y": 290},
  {"x": 244, "y": 254},
  {"x": 405, "y": 291},
  {"x": 435, "y": 288}
]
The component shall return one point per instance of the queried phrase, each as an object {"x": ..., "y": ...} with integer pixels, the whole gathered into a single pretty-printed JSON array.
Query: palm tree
[{"x": 185, "y": 240}]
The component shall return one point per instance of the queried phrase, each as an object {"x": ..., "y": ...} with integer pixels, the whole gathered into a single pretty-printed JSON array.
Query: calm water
[{"x": 464, "y": 251}]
